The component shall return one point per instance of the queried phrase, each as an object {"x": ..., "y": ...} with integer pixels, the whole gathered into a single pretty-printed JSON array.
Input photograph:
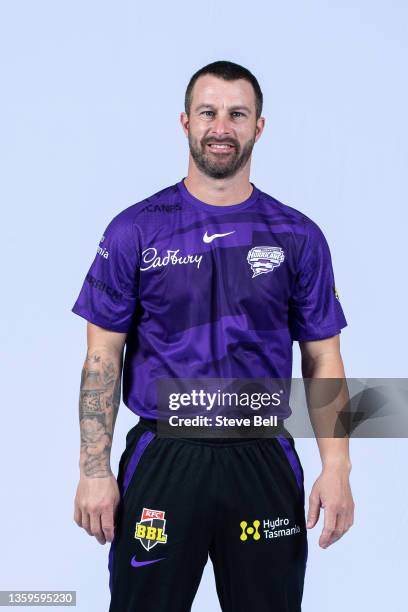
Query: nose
[{"x": 221, "y": 126}]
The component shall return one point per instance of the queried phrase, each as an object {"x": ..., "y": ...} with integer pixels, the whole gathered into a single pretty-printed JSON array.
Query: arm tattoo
[{"x": 99, "y": 401}]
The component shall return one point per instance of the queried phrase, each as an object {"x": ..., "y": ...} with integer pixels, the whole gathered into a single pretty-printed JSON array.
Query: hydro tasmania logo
[
  {"x": 276, "y": 528},
  {"x": 264, "y": 259},
  {"x": 101, "y": 250},
  {"x": 150, "y": 529}
]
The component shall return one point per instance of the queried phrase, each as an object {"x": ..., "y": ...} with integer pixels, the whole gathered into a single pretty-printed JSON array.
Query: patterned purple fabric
[
  {"x": 141, "y": 446},
  {"x": 293, "y": 460},
  {"x": 207, "y": 291},
  {"x": 110, "y": 563}
]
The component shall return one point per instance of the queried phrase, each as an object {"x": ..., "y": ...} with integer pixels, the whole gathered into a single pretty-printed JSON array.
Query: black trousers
[{"x": 240, "y": 501}]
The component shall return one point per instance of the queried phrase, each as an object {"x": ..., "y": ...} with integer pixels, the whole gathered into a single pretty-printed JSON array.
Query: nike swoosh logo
[
  {"x": 135, "y": 563},
  {"x": 207, "y": 239}
]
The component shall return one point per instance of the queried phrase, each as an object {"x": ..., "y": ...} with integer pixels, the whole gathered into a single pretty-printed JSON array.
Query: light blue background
[{"x": 91, "y": 96}]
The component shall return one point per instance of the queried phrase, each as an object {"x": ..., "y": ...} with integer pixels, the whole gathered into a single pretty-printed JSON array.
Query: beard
[{"x": 216, "y": 165}]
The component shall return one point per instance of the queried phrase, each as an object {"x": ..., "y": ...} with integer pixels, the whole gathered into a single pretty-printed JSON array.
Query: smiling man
[{"x": 207, "y": 278}]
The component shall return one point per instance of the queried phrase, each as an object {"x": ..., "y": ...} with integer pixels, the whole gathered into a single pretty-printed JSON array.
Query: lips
[{"x": 220, "y": 147}]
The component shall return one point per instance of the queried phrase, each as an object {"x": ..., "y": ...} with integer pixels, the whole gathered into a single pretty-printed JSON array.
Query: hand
[
  {"x": 95, "y": 504},
  {"x": 332, "y": 492}
]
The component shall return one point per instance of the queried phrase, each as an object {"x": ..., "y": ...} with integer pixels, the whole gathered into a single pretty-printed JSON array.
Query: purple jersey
[{"x": 207, "y": 291}]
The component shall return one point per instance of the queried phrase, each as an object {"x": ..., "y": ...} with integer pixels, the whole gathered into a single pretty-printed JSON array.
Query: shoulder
[
  {"x": 285, "y": 213},
  {"x": 161, "y": 201},
  {"x": 131, "y": 218},
  {"x": 296, "y": 220}
]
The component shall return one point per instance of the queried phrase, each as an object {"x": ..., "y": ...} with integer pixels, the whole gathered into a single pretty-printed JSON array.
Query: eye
[
  {"x": 238, "y": 113},
  {"x": 207, "y": 113}
]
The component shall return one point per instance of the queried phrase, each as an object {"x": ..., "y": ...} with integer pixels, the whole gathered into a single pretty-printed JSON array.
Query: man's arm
[
  {"x": 99, "y": 399},
  {"x": 97, "y": 494},
  {"x": 322, "y": 359}
]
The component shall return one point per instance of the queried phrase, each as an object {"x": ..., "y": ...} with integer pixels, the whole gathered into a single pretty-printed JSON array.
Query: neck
[{"x": 220, "y": 192}]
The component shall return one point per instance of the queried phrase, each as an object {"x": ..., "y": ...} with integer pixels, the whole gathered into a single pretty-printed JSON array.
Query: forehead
[{"x": 209, "y": 89}]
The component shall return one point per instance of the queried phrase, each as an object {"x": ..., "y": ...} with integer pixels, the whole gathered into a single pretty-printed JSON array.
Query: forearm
[
  {"x": 99, "y": 401},
  {"x": 334, "y": 451}
]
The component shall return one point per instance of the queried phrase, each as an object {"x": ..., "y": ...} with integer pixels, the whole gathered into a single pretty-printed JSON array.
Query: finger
[
  {"x": 330, "y": 518},
  {"x": 340, "y": 528},
  {"x": 77, "y": 516},
  {"x": 314, "y": 511},
  {"x": 107, "y": 525},
  {"x": 86, "y": 522},
  {"x": 96, "y": 527},
  {"x": 349, "y": 519}
]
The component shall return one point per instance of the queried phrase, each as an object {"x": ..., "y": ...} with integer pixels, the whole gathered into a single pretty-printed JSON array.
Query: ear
[
  {"x": 185, "y": 123},
  {"x": 260, "y": 124}
]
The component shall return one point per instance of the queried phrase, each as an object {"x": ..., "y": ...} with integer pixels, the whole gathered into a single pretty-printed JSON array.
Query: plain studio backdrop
[{"x": 90, "y": 103}]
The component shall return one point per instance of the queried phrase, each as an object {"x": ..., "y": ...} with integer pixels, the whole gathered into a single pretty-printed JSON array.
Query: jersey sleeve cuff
[
  {"x": 320, "y": 334},
  {"x": 100, "y": 321}
]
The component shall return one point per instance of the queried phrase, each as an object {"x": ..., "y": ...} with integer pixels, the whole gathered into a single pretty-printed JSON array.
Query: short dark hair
[{"x": 229, "y": 72}]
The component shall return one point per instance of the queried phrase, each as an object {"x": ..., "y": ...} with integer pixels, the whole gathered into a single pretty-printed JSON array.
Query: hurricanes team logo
[
  {"x": 150, "y": 530},
  {"x": 264, "y": 259}
]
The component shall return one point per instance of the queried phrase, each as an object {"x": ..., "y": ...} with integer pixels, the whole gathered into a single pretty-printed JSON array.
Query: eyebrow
[{"x": 230, "y": 108}]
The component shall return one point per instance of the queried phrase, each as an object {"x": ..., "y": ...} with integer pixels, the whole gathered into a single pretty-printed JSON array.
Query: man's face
[{"x": 222, "y": 127}]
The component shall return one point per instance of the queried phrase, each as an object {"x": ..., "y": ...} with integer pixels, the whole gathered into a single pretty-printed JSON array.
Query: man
[{"x": 210, "y": 277}]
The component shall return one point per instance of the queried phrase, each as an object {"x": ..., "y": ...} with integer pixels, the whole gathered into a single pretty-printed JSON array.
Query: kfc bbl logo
[
  {"x": 150, "y": 529},
  {"x": 264, "y": 259}
]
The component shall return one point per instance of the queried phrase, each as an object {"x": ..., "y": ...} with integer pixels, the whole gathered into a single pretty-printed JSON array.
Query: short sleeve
[
  {"x": 109, "y": 292},
  {"x": 315, "y": 311}
]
